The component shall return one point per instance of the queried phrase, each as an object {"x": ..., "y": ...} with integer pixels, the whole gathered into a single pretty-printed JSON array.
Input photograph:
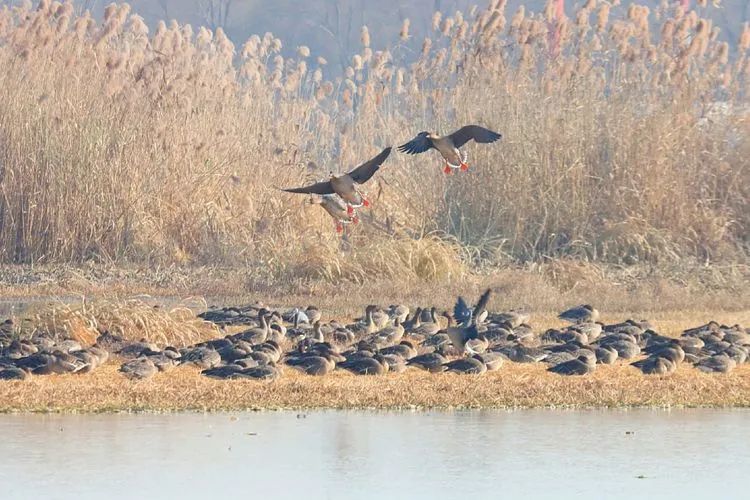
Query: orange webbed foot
[
  {"x": 355, "y": 220},
  {"x": 349, "y": 209},
  {"x": 365, "y": 202},
  {"x": 447, "y": 170},
  {"x": 464, "y": 167}
]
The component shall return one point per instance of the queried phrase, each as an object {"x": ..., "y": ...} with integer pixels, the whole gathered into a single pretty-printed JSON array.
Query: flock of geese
[
  {"x": 393, "y": 339},
  {"x": 340, "y": 195}
]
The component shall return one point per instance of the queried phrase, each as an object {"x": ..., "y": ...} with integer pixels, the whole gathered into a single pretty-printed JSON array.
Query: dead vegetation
[
  {"x": 131, "y": 319},
  {"x": 625, "y": 141},
  {"x": 513, "y": 386}
]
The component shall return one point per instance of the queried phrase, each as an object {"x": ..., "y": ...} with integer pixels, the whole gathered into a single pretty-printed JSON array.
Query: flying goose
[
  {"x": 345, "y": 185},
  {"x": 337, "y": 209},
  {"x": 449, "y": 145}
]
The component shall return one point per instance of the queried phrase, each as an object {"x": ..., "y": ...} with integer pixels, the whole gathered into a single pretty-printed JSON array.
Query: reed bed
[{"x": 626, "y": 141}]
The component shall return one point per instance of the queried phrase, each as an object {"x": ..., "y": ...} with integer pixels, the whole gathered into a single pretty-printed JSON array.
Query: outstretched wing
[
  {"x": 471, "y": 333},
  {"x": 319, "y": 188},
  {"x": 419, "y": 144},
  {"x": 362, "y": 173},
  {"x": 461, "y": 312},
  {"x": 482, "y": 304},
  {"x": 473, "y": 132}
]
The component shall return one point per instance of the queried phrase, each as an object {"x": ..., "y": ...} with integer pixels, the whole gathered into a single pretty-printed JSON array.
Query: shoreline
[{"x": 514, "y": 386}]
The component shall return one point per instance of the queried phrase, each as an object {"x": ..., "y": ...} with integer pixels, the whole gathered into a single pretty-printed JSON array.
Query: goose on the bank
[
  {"x": 492, "y": 360},
  {"x": 581, "y": 314},
  {"x": 315, "y": 365},
  {"x": 720, "y": 363},
  {"x": 655, "y": 365},
  {"x": 432, "y": 362},
  {"x": 139, "y": 369},
  {"x": 406, "y": 349},
  {"x": 466, "y": 328},
  {"x": 467, "y": 366},
  {"x": 606, "y": 355},
  {"x": 582, "y": 365},
  {"x": 376, "y": 365}
]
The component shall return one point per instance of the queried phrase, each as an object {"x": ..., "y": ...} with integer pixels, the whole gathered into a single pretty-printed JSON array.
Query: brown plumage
[
  {"x": 337, "y": 209},
  {"x": 346, "y": 185},
  {"x": 449, "y": 145}
]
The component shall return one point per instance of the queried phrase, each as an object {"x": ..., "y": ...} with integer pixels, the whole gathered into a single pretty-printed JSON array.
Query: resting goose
[{"x": 581, "y": 314}]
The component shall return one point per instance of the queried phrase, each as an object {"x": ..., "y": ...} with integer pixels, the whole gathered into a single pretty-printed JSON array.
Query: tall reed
[{"x": 626, "y": 139}]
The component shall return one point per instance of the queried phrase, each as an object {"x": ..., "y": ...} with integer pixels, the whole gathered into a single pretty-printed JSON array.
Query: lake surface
[{"x": 336, "y": 454}]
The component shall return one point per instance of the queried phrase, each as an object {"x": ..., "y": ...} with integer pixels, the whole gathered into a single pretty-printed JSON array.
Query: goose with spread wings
[
  {"x": 466, "y": 327},
  {"x": 449, "y": 146},
  {"x": 346, "y": 185}
]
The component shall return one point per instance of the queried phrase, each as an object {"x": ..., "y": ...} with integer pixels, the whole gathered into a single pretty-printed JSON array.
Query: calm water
[{"x": 488, "y": 454}]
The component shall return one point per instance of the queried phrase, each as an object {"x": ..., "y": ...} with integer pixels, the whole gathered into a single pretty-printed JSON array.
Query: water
[{"x": 483, "y": 454}]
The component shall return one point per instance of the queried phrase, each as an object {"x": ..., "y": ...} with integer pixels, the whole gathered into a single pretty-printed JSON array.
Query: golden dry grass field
[
  {"x": 137, "y": 161},
  {"x": 513, "y": 386}
]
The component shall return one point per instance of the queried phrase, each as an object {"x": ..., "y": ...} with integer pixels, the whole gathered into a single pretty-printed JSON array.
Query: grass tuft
[{"x": 133, "y": 319}]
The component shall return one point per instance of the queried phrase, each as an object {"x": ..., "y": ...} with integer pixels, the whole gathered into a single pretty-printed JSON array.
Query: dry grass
[
  {"x": 540, "y": 288},
  {"x": 626, "y": 141},
  {"x": 513, "y": 386},
  {"x": 132, "y": 319}
]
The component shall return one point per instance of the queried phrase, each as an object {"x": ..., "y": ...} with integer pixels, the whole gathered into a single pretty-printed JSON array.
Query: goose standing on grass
[
  {"x": 345, "y": 185},
  {"x": 414, "y": 322},
  {"x": 466, "y": 328},
  {"x": 449, "y": 145},
  {"x": 428, "y": 328},
  {"x": 367, "y": 324}
]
